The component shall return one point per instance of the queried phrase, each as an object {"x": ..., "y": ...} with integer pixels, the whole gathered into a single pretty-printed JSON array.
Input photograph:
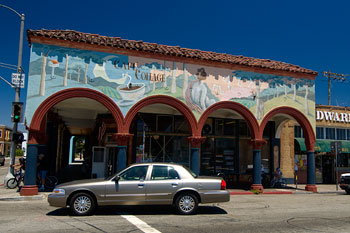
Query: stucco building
[{"x": 96, "y": 104}]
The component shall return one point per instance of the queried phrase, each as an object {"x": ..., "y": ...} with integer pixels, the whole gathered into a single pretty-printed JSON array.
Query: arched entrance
[
  {"x": 67, "y": 124},
  {"x": 280, "y": 115},
  {"x": 228, "y": 128},
  {"x": 160, "y": 126}
]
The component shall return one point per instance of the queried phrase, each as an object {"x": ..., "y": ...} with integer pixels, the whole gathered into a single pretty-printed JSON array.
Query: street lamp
[{"x": 17, "y": 89}]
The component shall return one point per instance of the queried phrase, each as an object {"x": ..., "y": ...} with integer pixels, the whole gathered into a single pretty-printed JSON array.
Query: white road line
[{"x": 140, "y": 224}]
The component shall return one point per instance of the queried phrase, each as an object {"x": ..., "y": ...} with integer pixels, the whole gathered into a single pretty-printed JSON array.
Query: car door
[
  {"x": 163, "y": 183},
  {"x": 129, "y": 189}
]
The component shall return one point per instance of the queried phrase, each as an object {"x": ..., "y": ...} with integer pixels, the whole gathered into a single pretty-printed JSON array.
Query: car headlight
[{"x": 59, "y": 191}]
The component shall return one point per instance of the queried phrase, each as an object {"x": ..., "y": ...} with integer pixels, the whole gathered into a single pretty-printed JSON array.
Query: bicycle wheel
[
  {"x": 50, "y": 182},
  {"x": 12, "y": 183}
]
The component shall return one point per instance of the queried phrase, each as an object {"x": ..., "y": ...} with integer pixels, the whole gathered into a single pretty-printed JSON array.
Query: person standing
[{"x": 42, "y": 168}]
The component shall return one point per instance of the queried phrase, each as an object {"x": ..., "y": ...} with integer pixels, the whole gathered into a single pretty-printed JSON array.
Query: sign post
[{"x": 336, "y": 147}]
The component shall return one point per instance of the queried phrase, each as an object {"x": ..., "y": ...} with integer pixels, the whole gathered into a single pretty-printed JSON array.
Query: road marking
[{"x": 140, "y": 224}]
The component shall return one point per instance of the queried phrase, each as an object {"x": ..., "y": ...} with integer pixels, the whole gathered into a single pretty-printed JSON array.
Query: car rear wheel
[
  {"x": 186, "y": 203},
  {"x": 347, "y": 191},
  {"x": 82, "y": 204}
]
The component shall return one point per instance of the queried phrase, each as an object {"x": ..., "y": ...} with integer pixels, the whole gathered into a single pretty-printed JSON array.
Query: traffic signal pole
[{"x": 17, "y": 95}]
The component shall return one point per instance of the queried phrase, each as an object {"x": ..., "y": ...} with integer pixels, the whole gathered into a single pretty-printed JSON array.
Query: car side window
[
  {"x": 134, "y": 173},
  {"x": 164, "y": 173}
]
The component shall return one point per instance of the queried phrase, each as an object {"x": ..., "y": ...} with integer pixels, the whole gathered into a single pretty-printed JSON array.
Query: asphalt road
[{"x": 245, "y": 213}]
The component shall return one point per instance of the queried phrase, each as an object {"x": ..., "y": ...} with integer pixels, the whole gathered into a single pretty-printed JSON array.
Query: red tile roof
[{"x": 176, "y": 51}]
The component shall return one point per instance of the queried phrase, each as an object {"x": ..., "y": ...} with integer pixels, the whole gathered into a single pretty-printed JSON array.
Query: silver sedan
[{"x": 142, "y": 184}]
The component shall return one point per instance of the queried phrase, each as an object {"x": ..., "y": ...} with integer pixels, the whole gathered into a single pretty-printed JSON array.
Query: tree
[
  {"x": 43, "y": 51},
  {"x": 185, "y": 82},
  {"x": 173, "y": 79}
]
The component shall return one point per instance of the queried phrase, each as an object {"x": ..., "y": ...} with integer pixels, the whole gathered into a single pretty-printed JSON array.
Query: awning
[{"x": 323, "y": 145}]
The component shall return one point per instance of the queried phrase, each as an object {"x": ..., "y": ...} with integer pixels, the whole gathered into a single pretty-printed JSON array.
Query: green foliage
[
  {"x": 255, "y": 191},
  {"x": 19, "y": 153}
]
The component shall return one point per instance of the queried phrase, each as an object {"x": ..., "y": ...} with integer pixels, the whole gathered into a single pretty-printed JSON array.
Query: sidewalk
[
  {"x": 291, "y": 189},
  {"x": 12, "y": 194}
]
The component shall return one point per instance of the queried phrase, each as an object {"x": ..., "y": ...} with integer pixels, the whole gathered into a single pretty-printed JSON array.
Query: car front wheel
[
  {"x": 186, "y": 203},
  {"x": 347, "y": 191},
  {"x": 82, "y": 204}
]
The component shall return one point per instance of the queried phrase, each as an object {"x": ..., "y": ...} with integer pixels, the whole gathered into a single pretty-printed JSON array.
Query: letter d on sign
[{"x": 320, "y": 116}]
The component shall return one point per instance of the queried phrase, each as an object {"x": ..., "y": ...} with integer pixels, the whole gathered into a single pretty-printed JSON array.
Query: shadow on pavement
[{"x": 140, "y": 210}]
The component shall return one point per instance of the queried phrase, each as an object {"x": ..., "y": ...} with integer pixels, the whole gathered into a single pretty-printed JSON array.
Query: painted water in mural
[{"x": 128, "y": 79}]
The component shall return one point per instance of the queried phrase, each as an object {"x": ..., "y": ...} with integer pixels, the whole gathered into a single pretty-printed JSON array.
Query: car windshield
[{"x": 191, "y": 172}]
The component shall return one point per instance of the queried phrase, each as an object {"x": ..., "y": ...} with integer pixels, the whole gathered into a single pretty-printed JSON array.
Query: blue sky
[{"x": 312, "y": 34}]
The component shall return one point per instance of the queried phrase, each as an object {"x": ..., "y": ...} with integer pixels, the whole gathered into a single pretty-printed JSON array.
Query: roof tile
[{"x": 177, "y": 51}]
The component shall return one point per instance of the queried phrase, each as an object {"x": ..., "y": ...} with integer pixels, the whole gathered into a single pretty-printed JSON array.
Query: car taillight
[{"x": 223, "y": 185}]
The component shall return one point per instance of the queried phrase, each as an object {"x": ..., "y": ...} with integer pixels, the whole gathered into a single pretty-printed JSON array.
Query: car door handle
[
  {"x": 174, "y": 184},
  {"x": 141, "y": 185}
]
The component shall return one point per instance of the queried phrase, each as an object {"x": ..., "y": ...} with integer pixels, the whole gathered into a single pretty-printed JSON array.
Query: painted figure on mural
[{"x": 196, "y": 96}]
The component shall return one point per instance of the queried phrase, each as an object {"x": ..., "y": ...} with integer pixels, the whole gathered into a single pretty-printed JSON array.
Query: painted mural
[{"x": 128, "y": 79}]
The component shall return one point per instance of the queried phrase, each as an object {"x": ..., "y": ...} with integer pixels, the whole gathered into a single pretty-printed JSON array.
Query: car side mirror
[{"x": 116, "y": 178}]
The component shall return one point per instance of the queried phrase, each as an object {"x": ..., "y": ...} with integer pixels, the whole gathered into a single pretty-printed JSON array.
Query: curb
[
  {"x": 22, "y": 198},
  {"x": 267, "y": 193}
]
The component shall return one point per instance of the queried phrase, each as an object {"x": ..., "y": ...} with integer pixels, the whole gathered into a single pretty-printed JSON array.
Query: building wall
[{"x": 128, "y": 79}]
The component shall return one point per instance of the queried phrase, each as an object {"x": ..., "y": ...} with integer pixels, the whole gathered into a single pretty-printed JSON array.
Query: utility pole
[
  {"x": 17, "y": 89},
  {"x": 338, "y": 77}
]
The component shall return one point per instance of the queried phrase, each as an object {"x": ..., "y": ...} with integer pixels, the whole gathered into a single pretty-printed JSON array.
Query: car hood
[{"x": 80, "y": 182}]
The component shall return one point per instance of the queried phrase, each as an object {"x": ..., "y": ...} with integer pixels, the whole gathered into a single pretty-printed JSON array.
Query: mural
[{"x": 128, "y": 79}]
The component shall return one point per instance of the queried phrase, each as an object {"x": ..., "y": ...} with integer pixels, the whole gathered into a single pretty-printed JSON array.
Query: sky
[{"x": 313, "y": 34}]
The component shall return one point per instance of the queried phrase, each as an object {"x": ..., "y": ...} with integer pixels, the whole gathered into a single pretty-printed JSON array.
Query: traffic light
[
  {"x": 17, "y": 108},
  {"x": 18, "y": 138}
]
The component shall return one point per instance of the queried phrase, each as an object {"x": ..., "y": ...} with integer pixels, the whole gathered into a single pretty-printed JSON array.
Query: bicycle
[
  {"x": 16, "y": 181},
  {"x": 50, "y": 182}
]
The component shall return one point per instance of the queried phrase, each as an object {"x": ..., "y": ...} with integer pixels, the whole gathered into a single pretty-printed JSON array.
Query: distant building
[{"x": 5, "y": 139}]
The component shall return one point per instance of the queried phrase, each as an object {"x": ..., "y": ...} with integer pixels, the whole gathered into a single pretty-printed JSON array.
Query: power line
[{"x": 334, "y": 76}]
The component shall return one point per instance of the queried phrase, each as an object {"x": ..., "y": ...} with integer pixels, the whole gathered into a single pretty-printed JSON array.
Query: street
[{"x": 244, "y": 213}]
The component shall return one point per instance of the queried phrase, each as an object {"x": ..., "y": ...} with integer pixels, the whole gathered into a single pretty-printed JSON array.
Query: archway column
[
  {"x": 195, "y": 142},
  {"x": 36, "y": 140},
  {"x": 122, "y": 140},
  {"x": 257, "y": 145},
  {"x": 311, "y": 169}
]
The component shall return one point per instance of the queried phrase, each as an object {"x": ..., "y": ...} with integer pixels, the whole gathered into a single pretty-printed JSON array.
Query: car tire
[
  {"x": 186, "y": 203},
  {"x": 347, "y": 191},
  {"x": 11, "y": 183},
  {"x": 82, "y": 204}
]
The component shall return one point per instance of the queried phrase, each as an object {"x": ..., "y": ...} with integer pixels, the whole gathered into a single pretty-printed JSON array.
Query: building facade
[
  {"x": 5, "y": 140},
  {"x": 332, "y": 147},
  {"x": 96, "y": 104}
]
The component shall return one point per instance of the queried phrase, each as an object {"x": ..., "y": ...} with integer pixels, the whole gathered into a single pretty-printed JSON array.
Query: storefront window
[
  {"x": 330, "y": 133},
  {"x": 166, "y": 144},
  {"x": 348, "y": 134},
  {"x": 343, "y": 160},
  {"x": 319, "y": 133},
  {"x": 341, "y": 134},
  {"x": 298, "y": 132},
  {"x": 217, "y": 156}
]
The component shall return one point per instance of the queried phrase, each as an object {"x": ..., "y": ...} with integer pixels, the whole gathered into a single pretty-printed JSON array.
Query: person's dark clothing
[{"x": 42, "y": 165}]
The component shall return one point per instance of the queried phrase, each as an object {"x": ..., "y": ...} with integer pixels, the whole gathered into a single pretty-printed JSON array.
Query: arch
[
  {"x": 237, "y": 107},
  {"x": 309, "y": 133},
  {"x": 161, "y": 99},
  {"x": 52, "y": 100}
]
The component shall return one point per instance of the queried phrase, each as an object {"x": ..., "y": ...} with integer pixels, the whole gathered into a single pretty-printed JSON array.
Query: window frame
[{"x": 169, "y": 167}]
